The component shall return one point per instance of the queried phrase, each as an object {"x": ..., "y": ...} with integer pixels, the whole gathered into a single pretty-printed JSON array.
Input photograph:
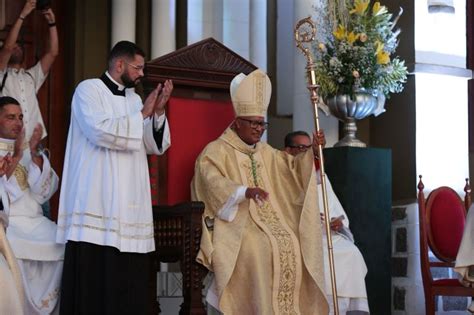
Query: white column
[
  {"x": 123, "y": 21},
  {"x": 258, "y": 33},
  {"x": 236, "y": 26},
  {"x": 204, "y": 20},
  {"x": 285, "y": 56},
  {"x": 163, "y": 27},
  {"x": 303, "y": 117}
]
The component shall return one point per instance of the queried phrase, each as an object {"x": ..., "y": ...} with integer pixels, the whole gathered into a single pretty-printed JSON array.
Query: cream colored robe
[
  {"x": 465, "y": 257},
  {"x": 11, "y": 287},
  {"x": 268, "y": 260}
]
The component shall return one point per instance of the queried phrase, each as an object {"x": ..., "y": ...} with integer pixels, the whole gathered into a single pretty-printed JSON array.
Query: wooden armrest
[{"x": 441, "y": 264}]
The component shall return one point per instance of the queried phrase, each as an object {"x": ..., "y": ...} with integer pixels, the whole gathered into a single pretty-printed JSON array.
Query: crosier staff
[{"x": 305, "y": 32}]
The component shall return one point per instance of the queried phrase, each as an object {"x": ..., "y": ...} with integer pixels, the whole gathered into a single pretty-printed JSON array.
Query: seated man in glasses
[
  {"x": 350, "y": 265},
  {"x": 261, "y": 229}
]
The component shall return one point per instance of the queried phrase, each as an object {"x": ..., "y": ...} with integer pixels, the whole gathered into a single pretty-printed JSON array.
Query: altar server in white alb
[
  {"x": 349, "y": 263},
  {"x": 30, "y": 183},
  {"x": 105, "y": 215}
]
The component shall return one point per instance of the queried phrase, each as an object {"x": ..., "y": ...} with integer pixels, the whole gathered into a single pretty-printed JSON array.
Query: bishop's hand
[
  {"x": 256, "y": 194},
  {"x": 318, "y": 139}
]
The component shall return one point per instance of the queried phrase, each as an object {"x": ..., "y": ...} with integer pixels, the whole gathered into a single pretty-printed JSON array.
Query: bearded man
[{"x": 105, "y": 215}]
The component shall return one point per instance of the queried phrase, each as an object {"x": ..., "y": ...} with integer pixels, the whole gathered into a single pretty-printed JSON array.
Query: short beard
[{"x": 127, "y": 82}]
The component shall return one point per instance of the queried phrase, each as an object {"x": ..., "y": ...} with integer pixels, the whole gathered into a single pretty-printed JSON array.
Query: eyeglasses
[
  {"x": 140, "y": 67},
  {"x": 256, "y": 123},
  {"x": 300, "y": 147}
]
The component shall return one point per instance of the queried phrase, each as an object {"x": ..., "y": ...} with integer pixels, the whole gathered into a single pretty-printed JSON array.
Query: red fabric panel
[
  {"x": 447, "y": 222},
  {"x": 193, "y": 124}
]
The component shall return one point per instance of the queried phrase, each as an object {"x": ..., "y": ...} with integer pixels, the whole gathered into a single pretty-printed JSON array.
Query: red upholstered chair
[
  {"x": 442, "y": 218},
  {"x": 198, "y": 112}
]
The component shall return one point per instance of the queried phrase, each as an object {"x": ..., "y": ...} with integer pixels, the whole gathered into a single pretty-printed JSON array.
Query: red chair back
[
  {"x": 446, "y": 217},
  {"x": 193, "y": 124}
]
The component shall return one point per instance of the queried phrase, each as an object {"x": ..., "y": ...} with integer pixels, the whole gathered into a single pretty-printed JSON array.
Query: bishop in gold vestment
[{"x": 261, "y": 228}]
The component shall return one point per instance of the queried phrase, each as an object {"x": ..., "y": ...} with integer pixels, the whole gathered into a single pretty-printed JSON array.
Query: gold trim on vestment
[
  {"x": 51, "y": 296},
  {"x": 104, "y": 218},
  {"x": 21, "y": 175},
  {"x": 10, "y": 146},
  {"x": 87, "y": 226},
  {"x": 279, "y": 235}
]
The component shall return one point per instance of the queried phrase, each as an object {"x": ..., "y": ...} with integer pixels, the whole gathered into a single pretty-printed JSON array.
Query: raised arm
[
  {"x": 53, "y": 50},
  {"x": 10, "y": 42}
]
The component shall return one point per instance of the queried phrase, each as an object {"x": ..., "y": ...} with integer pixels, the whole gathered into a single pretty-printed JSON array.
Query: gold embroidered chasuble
[{"x": 268, "y": 260}]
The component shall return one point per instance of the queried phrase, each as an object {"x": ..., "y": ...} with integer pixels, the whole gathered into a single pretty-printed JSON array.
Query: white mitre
[{"x": 251, "y": 93}]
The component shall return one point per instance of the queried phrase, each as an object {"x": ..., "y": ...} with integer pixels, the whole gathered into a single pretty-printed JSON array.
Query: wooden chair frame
[{"x": 442, "y": 287}]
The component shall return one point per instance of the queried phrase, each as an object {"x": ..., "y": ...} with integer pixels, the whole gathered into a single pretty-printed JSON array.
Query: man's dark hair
[
  {"x": 8, "y": 100},
  {"x": 289, "y": 137},
  {"x": 124, "y": 49}
]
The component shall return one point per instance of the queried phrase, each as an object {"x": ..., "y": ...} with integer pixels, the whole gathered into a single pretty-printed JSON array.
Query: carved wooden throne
[{"x": 198, "y": 112}]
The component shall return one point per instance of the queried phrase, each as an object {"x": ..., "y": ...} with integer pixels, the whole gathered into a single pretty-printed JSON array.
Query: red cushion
[
  {"x": 447, "y": 282},
  {"x": 193, "y": 124},
  {"x": 447, "y": 220}
]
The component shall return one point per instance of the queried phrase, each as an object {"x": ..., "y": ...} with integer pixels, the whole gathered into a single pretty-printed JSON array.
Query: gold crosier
[{"x": 305, "y": 32}]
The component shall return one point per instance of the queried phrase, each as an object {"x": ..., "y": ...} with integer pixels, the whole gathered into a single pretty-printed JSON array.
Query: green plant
[{"x": 358, "y": 53}]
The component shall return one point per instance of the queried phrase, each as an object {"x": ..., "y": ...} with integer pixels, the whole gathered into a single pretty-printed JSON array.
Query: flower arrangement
[{"x": 357, "y": 55}]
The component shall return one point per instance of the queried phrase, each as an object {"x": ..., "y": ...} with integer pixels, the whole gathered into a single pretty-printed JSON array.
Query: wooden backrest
[{"x": 198, "y": 112}]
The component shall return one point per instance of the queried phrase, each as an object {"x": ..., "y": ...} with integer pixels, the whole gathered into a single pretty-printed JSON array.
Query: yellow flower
[
  {"x": 322, "y": 47},
  {"x": 383, "y": 57},
  {"x": 351, "y": 38},
  {"x": 378, "y": 47},
  {"x": 378, "y": 9},
  {"x": 341, "y": 33},
  {"x": 360, "y": 6}
]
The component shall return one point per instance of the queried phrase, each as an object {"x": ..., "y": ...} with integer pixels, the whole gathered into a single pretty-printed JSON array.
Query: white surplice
[
  {"x": 105, "y": 193},
  {"x": 30, "y": 234},
  {"x": 350, "y": 266}
]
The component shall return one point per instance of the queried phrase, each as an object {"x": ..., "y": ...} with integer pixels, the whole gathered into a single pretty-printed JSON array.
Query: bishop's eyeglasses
[{"x": 256, "y": 123}]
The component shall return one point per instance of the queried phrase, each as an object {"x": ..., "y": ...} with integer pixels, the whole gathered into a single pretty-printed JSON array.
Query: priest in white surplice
[
  {"x": 30, "y": 234},
  {"x": 349, "y": 264},
  {"x": 105, "y": 213}
]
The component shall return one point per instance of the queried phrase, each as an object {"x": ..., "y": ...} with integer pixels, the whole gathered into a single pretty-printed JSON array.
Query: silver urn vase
[{"x": 349, "y": 109}]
